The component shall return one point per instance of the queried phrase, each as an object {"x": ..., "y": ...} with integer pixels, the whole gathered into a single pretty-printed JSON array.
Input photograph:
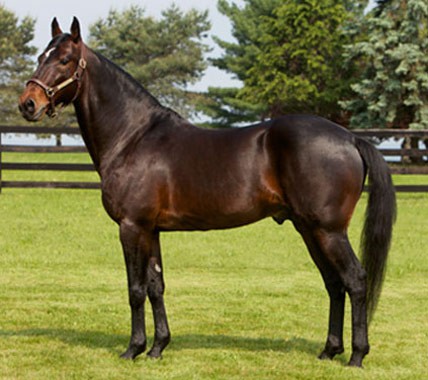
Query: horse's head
[{"x": 57, "y": 79}]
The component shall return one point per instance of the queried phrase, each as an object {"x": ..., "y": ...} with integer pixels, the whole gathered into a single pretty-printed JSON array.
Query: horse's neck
[{"x": 111, "y": 106}]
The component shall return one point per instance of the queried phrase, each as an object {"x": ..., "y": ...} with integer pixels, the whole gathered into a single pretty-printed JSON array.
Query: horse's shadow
[
  {"x": 200, "y": 341},
  {"x": 114, "y": 343}
]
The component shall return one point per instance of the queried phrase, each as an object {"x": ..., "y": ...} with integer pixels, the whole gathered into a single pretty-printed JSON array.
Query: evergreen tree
[
  {"x": 226, "y": 106},
  {"x": 288, "y": 54},
  {"x": 393, "y": 90},
  {"x": 16, "y": 62},
  {"x": 164, "y": 55},
  {"x": 295, "y": 67},
  {"x": 226, "y": 109}
]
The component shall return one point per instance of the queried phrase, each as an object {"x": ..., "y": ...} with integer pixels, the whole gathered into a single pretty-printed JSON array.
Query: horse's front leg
[
  {"x": 136, "y": 244},
  {"x": 156, "y": 288}
]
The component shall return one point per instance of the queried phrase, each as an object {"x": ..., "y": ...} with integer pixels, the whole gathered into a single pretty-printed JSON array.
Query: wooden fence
[
  {"x": 43, "y": 166},
  {"x": 396, "y": 168}
]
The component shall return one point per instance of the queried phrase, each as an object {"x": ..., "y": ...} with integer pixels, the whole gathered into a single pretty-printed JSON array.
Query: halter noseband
[{"x": 52, "y": 91}]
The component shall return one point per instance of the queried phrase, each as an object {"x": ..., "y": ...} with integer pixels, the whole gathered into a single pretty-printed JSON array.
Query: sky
[{"x": 89, "y": 11}]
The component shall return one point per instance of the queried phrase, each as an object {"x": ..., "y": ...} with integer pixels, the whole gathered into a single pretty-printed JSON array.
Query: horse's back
[{"x": 301, "y": 129}]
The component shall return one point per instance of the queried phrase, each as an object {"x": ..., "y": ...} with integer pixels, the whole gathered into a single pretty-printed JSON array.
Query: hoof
[
  {"x": 155, "y": 355},
  {"x": 325, "y": 356},
  {"x": 358, "y": 356},
  {"x": 127, "y": 355},
  {"x": 158, "y": 346},
  {"x": 132, "y": 352},
  {"x": 155, "y": 352},
  {"x": 331, "y": 353},
  {"x": 357, "y": 363}
]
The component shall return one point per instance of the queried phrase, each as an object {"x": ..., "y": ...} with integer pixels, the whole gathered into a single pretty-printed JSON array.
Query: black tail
[{"x": 380, "y": 217}]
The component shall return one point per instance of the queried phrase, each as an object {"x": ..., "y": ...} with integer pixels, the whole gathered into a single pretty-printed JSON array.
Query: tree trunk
[{"x": 411, "y": 143}]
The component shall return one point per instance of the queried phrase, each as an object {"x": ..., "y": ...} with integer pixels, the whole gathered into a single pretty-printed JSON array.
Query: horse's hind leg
[
  {"x": 338, "y": 252},
  {"x": 156, "y": 288},
  {"x": 336, "y": 292}
]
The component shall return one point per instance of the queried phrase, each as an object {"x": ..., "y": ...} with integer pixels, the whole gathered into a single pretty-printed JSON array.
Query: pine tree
[
  {"x": 16, "y": 63},
  {"x": 393, "y": 90},
  {"x": 288, "y": 54},
  {"x": 295, "y": 68},
  {"x": 164, "y": 55},
  {"x": 225, "y": 106}
]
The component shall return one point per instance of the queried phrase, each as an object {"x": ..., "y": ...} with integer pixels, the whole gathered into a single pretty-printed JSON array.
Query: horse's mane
[{"x": 137, "y": 86}]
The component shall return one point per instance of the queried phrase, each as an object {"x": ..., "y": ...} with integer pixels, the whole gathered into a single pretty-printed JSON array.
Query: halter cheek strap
[{"x": 52, "y": 91}]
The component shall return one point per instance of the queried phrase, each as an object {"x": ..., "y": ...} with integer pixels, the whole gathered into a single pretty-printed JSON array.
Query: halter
[{"x": 52, "y": 91}]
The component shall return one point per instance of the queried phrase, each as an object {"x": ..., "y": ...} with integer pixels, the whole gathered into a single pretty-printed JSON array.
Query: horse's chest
[{"x": 126, "y": 195}]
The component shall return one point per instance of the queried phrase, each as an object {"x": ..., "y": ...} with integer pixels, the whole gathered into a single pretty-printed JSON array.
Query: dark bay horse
[{"x": 160, "y": 173}]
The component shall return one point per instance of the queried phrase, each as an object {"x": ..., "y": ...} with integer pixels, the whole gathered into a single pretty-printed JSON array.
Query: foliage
[
  {"x": 226, "y": 108},
  {"x": 244, "y": 303},
  {"x": 294, "y": 68},
  {"x": 16, "y": 62},
  {"x": 288, "y": 56},
  {"x": 164, "y": 55},
  {"x": 393, "y": 88}
]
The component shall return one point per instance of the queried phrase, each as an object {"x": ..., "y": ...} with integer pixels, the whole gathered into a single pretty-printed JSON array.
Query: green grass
[
  {"x": 243, "y": 303},
  {"x": 413, "y": 179}
]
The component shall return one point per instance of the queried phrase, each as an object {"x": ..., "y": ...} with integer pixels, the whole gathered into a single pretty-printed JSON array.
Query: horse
[{"x": 160, "y": 173}]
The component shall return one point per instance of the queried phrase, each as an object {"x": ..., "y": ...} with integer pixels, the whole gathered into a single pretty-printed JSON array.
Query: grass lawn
[{"x": 243, "y": 303}]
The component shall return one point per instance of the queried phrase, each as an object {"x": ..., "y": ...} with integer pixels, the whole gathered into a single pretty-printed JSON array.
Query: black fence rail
[
  {"x": 396, "y": 168},
  {"x": 64, "y": 167},
  {"x": 409, "y": 154}
]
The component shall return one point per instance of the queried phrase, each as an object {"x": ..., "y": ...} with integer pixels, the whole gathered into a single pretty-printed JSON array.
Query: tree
[
  {"x": 164, "y": 55},
  {"x": 288, "y": 54},
  {"x": 16, "y": 62},
  {"x": 226, "y": 106},
  {"x": 393, "y": 89},
  {"x": 294, "y": 69}
]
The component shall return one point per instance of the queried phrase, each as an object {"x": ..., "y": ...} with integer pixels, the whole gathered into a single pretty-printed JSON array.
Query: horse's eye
[{"x": 64, "y": 61}]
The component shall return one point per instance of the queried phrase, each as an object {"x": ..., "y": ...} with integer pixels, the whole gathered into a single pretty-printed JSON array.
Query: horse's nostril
[{"x": 30, "y": 105}]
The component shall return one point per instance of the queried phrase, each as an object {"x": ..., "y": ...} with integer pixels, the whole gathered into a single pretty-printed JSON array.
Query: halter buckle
[
  {"x": 82, "y": 63},
  {"x": 50, "y": 92}
]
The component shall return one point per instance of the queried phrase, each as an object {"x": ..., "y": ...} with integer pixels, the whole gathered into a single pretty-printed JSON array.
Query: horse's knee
[{"x": 137, "y": 296}]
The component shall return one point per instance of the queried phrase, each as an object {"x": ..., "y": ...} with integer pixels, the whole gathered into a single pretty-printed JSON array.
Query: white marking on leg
[{"x": 158, "y": 268}]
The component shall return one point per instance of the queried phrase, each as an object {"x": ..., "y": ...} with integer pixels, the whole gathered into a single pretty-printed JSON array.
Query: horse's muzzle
[{"x": 31, "y": 109}]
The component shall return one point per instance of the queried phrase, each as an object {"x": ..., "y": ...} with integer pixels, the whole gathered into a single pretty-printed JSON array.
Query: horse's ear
[
  {"x": 75, "y": 30},
  {"x": 55, "y": 28}
]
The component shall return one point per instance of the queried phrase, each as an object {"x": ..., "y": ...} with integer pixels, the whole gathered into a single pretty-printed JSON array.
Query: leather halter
[{"x": 52, "y": 91}]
